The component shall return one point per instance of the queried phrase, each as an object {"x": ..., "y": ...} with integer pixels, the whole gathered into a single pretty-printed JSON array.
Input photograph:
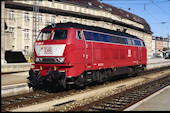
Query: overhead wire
[
  {"x": 147, "y": 12},
  {"x": 161, "y": 8}
]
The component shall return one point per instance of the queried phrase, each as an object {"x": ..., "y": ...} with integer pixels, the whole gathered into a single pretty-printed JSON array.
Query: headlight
[
  {"x": 59, "y": 60},
  {"x": 49, "y": 60},
  {"x": 38, "y": 59}
]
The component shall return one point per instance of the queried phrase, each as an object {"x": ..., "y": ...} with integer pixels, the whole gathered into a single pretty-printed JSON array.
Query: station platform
[
  {"x": 12, "y": 82},
  {"x": 158, "y": 101},
  {"x": 15, "y": 67}
]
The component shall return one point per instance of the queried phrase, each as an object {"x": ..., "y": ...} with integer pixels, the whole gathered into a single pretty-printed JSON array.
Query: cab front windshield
[
  {"x": 59, "y": 34},
  {"x": 44, "y": 35},
  {"x": 56, "y": 35}
]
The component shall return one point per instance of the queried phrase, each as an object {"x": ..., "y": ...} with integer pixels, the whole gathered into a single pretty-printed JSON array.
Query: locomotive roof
[{"x": 86, "y": 27}]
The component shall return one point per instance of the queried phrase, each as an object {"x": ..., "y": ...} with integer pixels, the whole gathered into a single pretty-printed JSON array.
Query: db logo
[{"x": 48, "y": 50}]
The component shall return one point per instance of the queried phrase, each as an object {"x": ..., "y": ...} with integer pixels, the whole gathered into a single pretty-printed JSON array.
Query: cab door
[
  {"x": 89, "y": 55},
  {"x": 88, "y": 36},
  {"x": 140, "y": 55}
]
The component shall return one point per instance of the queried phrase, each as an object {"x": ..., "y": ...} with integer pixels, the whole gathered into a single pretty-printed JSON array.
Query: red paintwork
[{"x": 81, "y": 55}]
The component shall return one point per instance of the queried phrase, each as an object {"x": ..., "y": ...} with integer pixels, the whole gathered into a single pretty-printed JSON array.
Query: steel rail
[{"x": 122, "y": 100}]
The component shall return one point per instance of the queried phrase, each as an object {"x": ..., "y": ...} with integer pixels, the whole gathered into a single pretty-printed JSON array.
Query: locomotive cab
[
  {"x": 50, "y": 60},
  {"x": 50, "y": 46}
]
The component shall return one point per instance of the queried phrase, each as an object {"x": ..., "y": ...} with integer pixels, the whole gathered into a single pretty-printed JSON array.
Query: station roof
[{"x": 102, "y": 6}]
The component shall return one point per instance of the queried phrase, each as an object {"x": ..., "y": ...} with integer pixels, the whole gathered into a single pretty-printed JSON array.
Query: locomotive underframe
[
  {"x": 37, "y": 80},
  {"x": 103, "y": 75}
]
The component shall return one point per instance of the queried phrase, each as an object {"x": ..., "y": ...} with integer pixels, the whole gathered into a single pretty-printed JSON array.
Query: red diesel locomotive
[{"x": 72, "y": 53}]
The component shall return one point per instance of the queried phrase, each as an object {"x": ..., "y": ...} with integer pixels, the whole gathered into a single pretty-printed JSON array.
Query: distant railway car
[{"x": 75, "y": 54}]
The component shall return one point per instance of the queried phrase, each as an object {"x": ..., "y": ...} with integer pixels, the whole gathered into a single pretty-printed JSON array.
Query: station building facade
[
  {"x": 158, "y": 45},
  {"x": 17, "y": 21}
]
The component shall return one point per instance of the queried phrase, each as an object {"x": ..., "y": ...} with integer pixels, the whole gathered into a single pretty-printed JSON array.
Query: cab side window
[{"x": 78, "y": 35}]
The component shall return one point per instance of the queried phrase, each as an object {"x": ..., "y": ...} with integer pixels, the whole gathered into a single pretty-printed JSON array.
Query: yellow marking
[
  {"x": 113, "y": 67},
  {"x": 55, "y": 68},
  {"x": 40, "y": 67},
  {"x": 81, "y": 32}
]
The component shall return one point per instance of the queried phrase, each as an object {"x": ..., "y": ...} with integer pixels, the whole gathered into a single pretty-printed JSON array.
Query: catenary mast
[{"x": 35, "y": 22}]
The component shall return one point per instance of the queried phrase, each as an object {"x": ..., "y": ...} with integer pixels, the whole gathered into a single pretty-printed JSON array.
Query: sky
[{"x": 155, "y": 12}]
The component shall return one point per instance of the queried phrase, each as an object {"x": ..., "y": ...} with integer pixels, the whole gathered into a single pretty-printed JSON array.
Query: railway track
[
  {"x": 12, "y": 102},
  {"x": 122, "y": 100},
  {"x": 31, "y": 98}
]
